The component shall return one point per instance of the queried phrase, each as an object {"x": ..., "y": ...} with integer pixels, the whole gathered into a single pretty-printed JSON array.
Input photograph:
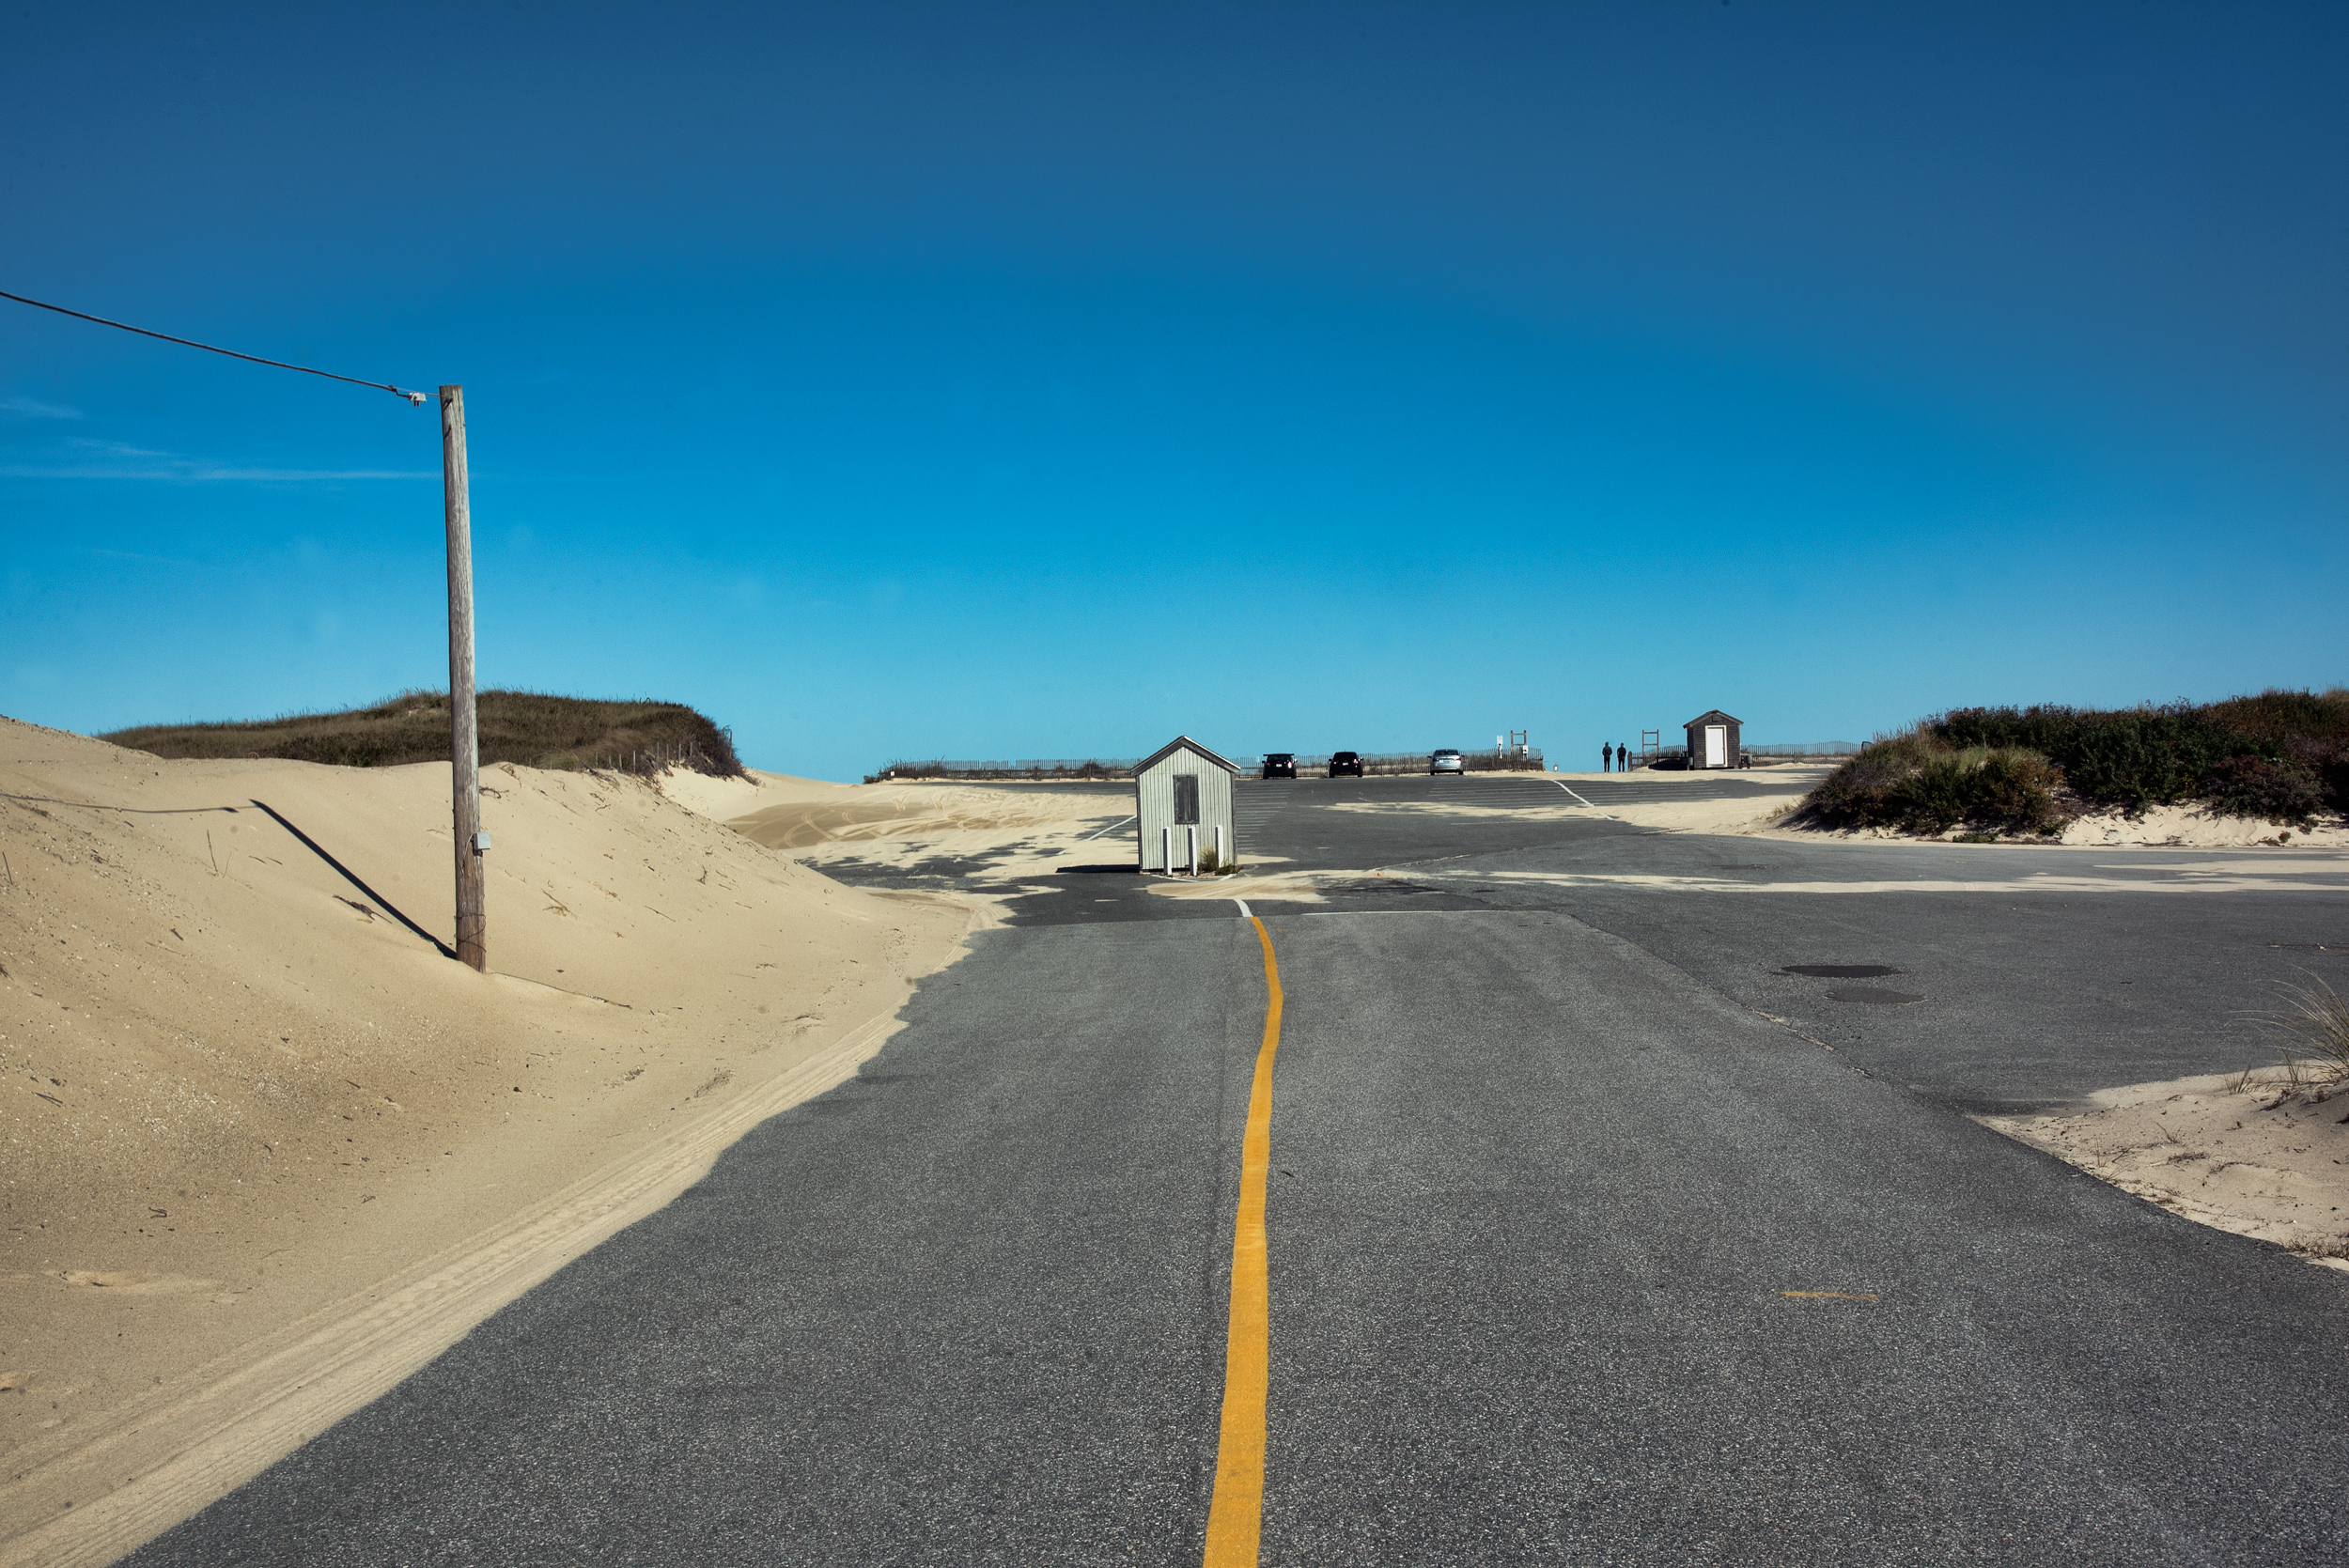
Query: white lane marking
[
  {"x": 1243, "y": 909},
  {"x": 1099, "y": 832},
  {"x": 1562, "y": 784}
]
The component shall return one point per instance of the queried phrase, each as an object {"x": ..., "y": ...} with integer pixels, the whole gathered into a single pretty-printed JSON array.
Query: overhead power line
[{"x": 416, "y": 397}]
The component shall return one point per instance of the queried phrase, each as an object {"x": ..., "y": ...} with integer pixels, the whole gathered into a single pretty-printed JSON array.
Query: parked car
[
  {"x": 1446, "y": 760},
  {"x": 1280, "y": 765},
  {"x": 1345, "y": 762}
]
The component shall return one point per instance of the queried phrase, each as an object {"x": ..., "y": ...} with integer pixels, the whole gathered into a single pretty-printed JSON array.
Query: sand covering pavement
[
  {"x": 1694, "y": 816},
  {"x": 1017, "y": 830},
  {"x": 263, "y": 1140},
  {"x": 2260, "y": 1157}
]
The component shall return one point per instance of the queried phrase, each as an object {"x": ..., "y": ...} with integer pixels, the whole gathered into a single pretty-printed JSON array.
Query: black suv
[
  {"x": 1280, "y": 765},
  {"x": 1345, "y": 762}
]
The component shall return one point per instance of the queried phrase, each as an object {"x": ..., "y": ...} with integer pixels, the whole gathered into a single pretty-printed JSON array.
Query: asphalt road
[{"x": 1554, "y": 1137}]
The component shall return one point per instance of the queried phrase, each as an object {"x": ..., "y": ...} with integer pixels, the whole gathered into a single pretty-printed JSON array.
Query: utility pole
[
  {"x": 464, "y": 737},
  {"x": 464, "y": 751}
]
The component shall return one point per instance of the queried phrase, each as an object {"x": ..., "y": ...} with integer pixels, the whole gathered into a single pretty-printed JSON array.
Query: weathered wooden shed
[
  {"x": 1713, "y": 739},
  {"x": 1183, "y": 807}
]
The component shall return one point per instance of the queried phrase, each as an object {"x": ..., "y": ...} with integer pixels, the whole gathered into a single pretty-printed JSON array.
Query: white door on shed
[{"x": 1717, "y": 745}]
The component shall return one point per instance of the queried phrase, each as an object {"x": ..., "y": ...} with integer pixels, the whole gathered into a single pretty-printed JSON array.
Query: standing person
[
  {"x": 1622, "y": 756},
  {"x": 1606, "y": 757}
]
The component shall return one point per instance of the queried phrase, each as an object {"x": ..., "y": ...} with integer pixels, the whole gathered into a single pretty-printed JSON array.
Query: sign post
[{"x": 464, "y": 737}]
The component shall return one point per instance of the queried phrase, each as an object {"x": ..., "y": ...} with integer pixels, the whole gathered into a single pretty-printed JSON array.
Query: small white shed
[
  {"x": 1183, "y": 807},
  {"x": 1715, "y": 739}
]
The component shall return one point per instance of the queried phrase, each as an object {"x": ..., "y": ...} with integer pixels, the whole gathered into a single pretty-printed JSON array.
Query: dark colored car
[
  {"x": 1280, "y": 765},
  {"x": 1345, "y": 762}
]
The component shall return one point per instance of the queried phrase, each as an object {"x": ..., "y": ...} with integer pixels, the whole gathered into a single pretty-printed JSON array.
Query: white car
[{"x": 1447, "y": 760}]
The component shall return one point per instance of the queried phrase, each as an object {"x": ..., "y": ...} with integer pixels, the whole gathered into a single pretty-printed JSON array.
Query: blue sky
[{"x": 1034, "y": 381}]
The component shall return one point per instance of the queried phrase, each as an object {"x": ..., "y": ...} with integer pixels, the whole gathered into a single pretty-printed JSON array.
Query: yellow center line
[{"x": 1235, "y": 1517}]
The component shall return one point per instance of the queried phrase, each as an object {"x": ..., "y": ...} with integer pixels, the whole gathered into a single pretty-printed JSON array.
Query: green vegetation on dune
[
  {"x": 530, "y": 728},
  {"x": 2282, "y": 756}
]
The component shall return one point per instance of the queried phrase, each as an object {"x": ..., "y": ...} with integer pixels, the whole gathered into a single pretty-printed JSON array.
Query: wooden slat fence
[{"x": 1034, "y": 770}]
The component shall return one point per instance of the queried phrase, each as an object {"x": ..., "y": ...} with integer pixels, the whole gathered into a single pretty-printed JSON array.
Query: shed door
[
  {"x": 1716, "y": 745},
  {"x": 1186, "y": 799}
]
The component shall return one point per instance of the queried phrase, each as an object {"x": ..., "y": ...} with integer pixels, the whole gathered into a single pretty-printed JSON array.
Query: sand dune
[{"x": 245, "y": 1098}]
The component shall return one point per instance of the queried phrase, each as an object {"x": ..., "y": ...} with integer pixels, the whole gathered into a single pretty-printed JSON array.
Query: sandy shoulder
[
  {"x": 2257, "y": 1157},
  {"x": 244, "y": 1100}
]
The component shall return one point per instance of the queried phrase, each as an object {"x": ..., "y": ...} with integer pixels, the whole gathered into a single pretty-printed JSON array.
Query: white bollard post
[
  {"x": 1166, "y": 851},
  {"x": 1195, "y": 849},
  {"x": 1222, "y": 862}
]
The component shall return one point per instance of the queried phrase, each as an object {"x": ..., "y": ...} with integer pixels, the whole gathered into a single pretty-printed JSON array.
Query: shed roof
[
  {"x": 1713, "y": 715},
  {"x": 1184, "y": 742}
]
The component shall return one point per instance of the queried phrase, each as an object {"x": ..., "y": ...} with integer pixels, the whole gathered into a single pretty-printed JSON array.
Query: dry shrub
[
  {"x": 2281, "y": 755},
  {"x": 1922, "y": 785},
  {"x": 2279, "y": 792},
  {"x": 2139, "y": 757},
  {"x": 535, "y": 729}
]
